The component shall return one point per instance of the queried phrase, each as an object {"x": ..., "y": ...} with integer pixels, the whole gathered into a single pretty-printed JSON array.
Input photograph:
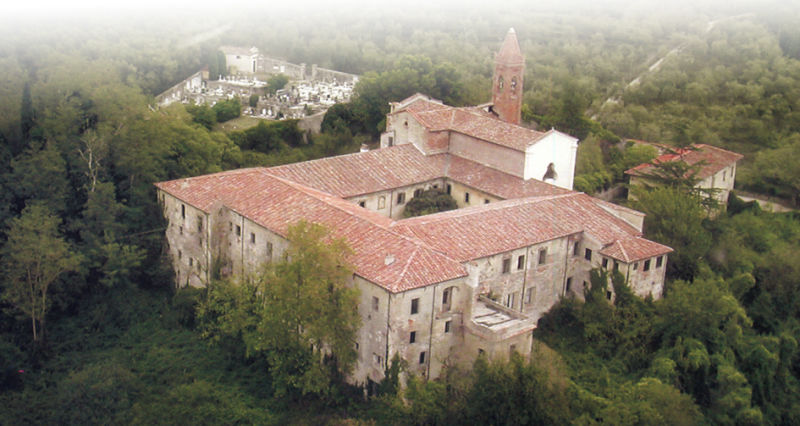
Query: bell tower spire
[{"x": 509, "y": 67}]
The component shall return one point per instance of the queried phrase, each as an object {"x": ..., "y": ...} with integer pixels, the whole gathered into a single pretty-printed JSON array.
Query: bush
[{"x": 430, "y": 201}]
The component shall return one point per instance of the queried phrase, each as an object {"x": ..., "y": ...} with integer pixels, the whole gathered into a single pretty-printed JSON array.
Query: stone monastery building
[{"x": 440, "y": 288}]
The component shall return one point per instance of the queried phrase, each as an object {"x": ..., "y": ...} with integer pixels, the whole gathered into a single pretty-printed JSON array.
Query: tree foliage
[
  {"x": 34, "y": 258},
  {"x": 429, "y": 201}
]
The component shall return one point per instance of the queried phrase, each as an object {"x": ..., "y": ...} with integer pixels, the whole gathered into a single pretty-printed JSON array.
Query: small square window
[
  {"x": 485, "y": 201},
  {"x": 422, "y": 357},
  {"x": 252, "y": 237},
  {"x": 447, "y": 326},
  {"x": 362, "y": 204},
  {"x": 521, "y": 262},
  {"x": 588, "y": 254},
  {"x": 414, "y": 306},
  {"x": 375, "y": 303},
  {"x": 413, "y": 337},
  {"x": 659, "y": 261},
  {"x": 466, "y": 197},
  {"x": 542, "y": 256},
  {"x": 506, "y": 265},
  {"x": 401, "y": 198},
  {"x": 647, "y": 265}
]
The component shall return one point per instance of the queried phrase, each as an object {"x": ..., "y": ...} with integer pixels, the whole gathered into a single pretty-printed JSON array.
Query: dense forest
[{"x": 93, "y": 331}]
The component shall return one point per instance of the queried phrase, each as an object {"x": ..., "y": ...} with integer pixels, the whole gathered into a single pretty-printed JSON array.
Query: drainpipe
[{"x": 241, "y": 237}]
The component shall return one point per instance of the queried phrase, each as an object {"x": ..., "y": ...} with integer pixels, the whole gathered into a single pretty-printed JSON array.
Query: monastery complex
[{"x": 436, "y": 289}]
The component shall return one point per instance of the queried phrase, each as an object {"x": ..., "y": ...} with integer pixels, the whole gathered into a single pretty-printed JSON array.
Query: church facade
[{"x": 437, "y": 289}]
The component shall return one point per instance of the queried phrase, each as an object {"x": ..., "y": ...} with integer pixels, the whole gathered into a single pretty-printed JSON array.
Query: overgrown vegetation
[
  {"x": 80, "y": 150},
  {"x": 429, "y": 201}
]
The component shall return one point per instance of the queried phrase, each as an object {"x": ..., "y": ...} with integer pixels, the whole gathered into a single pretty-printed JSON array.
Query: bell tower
[{"x": 509, "y": 67}]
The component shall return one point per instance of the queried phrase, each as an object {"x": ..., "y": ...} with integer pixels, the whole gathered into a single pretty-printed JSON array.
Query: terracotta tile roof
[
  {"x": 363, "y": 173},
  {"x": 486, "y": 230},
  {"x": 495, "y": 182},
  {"x": 470, "y": 121},
  {"x": 509, "y": 52},
  {"x": 714, "y": 159},
  {"x": 634, "y": 248},
  {"x": 276, "y": 203}
]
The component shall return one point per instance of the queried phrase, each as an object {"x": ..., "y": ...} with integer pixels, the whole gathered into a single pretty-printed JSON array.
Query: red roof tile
[{"x": 713, "y": 159}]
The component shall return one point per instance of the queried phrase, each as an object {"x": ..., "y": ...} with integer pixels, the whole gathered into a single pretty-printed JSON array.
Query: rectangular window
[
  {"x": 180, "y": 230},
  {"x": 647, "y": 265},
  {"x": 485, "y": 201},
  {"x": 446, "y": 296},
  {"x": 238, "y": 230},
  {"x": 542, "y": 256},
  {"x": 199, "y": 223},
  {"x": 616, "y": 265},
  {"x": 269, "y": 250},
  {"x": 375, "y": 303},
  {"x": 588, "y": 254},
  {"x": 569, "y": 284},
  {"x": 422, "y": 357},
  {"x": 449, "y": 189},
  {"x": 635, "y": 265},
  {"x": 466, "y": 197},
  {"x": 413, "y": 337},
  {"x": 447, "y": 327},
  {"x": 506, "y": 265},
  {"x": 659, "y": 261},
  {"x": 401, "y": 198},
  {"x": 183, "y": 211},
  {"x": 414, "y": 306},
  {"x": 391, "y": 141},
  {"x": 381, "y": 202},
  {"x": 510, "y": 300},
  {"x": 252, "y": 238},
  {"x": 417, "y": 192},
  {"x": 521, "y": 262},
  {"x": 575, "y": 249},
  {"x": 608, "y": 295},
  {"x": 605, "y": 262},
  {"x": 191, "y": 261},
  {"x": 529, "y": 296}
]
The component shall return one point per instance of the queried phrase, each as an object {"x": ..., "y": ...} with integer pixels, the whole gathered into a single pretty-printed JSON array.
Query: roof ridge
[{"x": 406, "y": 266}]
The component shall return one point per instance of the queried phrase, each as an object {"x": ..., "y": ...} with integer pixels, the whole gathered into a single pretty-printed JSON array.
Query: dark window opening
[
  {"x": 575, "y": 249},
  {"x": 466, "y": 197},
  {"x": 413, "y": 337},
  {"x": 550, "y": 174},
  {"x": 608, "y": 295},
  {"x": 238, "y": 230},
  {"x": 362, "y": 203},
  {"x": 422, "y": 357},
  {"x": 375, "y": 302},
  {"x": 401, "y": 198},
  {"x": 605, "y": 262},
  {"x": 417, "y": 192},
  {"x": 183, "y": 211},
  {"x": 199, "y": 223},
  {"x": 659, "y": 261},
  {"x": 449, "y": 189},
  {"x": 542, "y": 256},
  {"x": 414, "y": 306},
  {"x": 506, "y": 265},
  {"x": 521, "y": 262},
  {"x": 447, "y": 327},
  {"x": 569, "y": 284},
  {"x": 252, "y": 238},
  {"x": 647, "y": 265},
  {"x": 588, "y": 254},
  {"x": 485, "y": 201}
]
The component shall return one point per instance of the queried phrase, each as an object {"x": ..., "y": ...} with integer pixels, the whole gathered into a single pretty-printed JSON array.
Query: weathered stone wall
[
  {"x": 187, "y": 237},
  {"x": 492, "y": 155}
]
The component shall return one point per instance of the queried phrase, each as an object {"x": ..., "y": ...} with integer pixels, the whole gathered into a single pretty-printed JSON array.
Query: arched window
[
  {"x": 550, "y": 174},
  {"x": 514, "y": 84},
  {"x": 500, "y": 84},
  {"x": 447, "y": 298}
]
